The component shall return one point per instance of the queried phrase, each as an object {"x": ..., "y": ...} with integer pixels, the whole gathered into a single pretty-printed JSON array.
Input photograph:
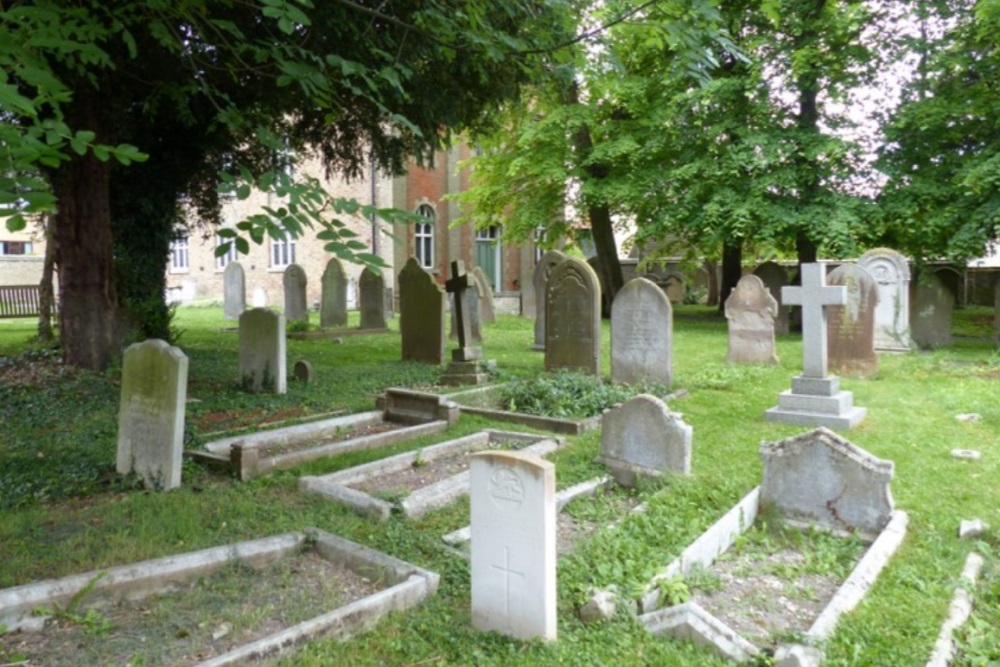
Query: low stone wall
[{"x": 21, "y": 270}]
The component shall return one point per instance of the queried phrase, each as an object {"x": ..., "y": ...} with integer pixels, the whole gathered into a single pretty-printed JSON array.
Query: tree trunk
[
  {"x": 46, "y": 297},
  {"x": 732, "y": 269},
  {"x": 712, "y": 268},
  {"x": 807, "y": 84},
  {"x": 609, "y": 267}
]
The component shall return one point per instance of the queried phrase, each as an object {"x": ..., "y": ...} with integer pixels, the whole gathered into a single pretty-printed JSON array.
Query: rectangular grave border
[
  {"x": 958, "y": 612},
  {"x": 690, "y": 621},
  {"x": 337, "y": 486},
  {"x": 408, "y": 586}
]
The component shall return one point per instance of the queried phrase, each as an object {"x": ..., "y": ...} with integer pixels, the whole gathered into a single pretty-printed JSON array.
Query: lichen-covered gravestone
[
  {"x": 774, "y": 276},
  {"x": 851, "y": 327},
  {"x": 543, "y": 269},
  {"x": 930, "y": 319},
  {"x": 151, "y": 416},
  {"x": 421, "y": 315},
  {"x": 333, "y": 301},
  {"x": 263, "y": 361},
  {"x": 371, "y": 298},
  {"x": 573, "y": 318},
  {"x": 750, "y": 311},
  {"x": 642, "y": 437},
  {"x": 234, "y": 291},
  {"x": 513, "y": 559},
  {"x": 891, "y": 272},
  {"x": 641, "y": 334},
  {"x": 294, "y": 281}
]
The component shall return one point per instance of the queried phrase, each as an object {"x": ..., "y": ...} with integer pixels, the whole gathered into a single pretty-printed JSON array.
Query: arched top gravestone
[
  {"x": 333, "y": 300},
  {"x": 641, "y": 334},
  {"x": 891, "y": 272},
  {"x": 294, "y": 281},
  {"x": 371, "y": 299},
  {"x": 234, "y": 291},
  {"x": 573, "y": 318}
]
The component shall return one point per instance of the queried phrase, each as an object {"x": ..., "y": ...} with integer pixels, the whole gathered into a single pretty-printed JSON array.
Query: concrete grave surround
[
  {"x": 643, "y": 437},
  {"x": 296, "y": 305},
  {"x": 774, "y": 276},
  {"x": 513, "y": 561},
  {"x": 263, "y": 350},
  {"x": 371, "y": 298},
  {"x": 234, "y": 291},
  {"x": 891, "y": 272},
  {"x": 641, "y": 334},
  {"x": 487, "y": 305},
  {"x": 573, "y": 318},
  {"x": 815, "y": 398},
  {"x": 151, "y": 416},
  {"x": 543, "y": 269},
  {"x": 421, "y": 315},
  {"x": 930, "y": 317},
  {"x": 333, "y": 302},
  {"x": 851, "y": 328},
  {"x": 819, "y": 478},
  {"x": 750, "y": 311}
]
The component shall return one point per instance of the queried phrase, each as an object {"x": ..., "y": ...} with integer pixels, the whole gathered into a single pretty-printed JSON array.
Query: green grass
[{"x": 62, "y": 511}]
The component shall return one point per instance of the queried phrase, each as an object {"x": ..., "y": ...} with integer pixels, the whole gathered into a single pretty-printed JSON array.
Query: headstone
[
  {"x": 573, "y": 318},
  {"x": 673, "y": 285},
  {"x": 262, "y": 351},
  {"x": 296, "y": 307},
  {"x": 303, "y": 371},
  {"x": 815, "y": 398},
  {"x": 891, "y": 272},
  {"x": 851, "y": 327},
  {"x": 151, "y": 416},
  {"x": 333, "y": 304},
  {"x": 643, "y": 437},
  {"x": 486, "y": 303},
  {"x": 421, "y": 315},
  {"x": 371, "y": 295},
  {"x": 818, "y": 478},
  {"x": 774, "y": 276},
  {"x": 259, "y": 297},
  {"x": 750, "y": 310},
  {"x": 234, "y": 291},
  {"x": 543, "y": 269},
  {"x": 513, "y": 559},
  {"x": 930, "y": 318},
  {"x": 352, "y": 294},
  {"x": 641, "y": 334}
]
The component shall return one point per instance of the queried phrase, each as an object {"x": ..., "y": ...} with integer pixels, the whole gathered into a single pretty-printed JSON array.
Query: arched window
[{"x": 423, "y": 237}]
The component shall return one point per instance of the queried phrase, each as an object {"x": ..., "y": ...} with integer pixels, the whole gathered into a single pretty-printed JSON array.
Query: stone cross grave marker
[
  {"x": 371, "y": 297},
  {"x": 930, "y": 319},
  {"x": 891, "y": 271},
  {"x": 333, "y": 301},
  {"x": 573, "y": 318},
  {"x": 296, "y": 307},
  {"x": 234, "y": 291},
  {"x": 543, "y": 269},
  {"x": 151, "y": 415},
  {"x": 814, "y": 296},
  {"x": 263, "y": 362},
  {"x": 643, "y": 437},
  {"x": 513, "y": 557},
  {"x": 458, "y": 285},
  {"x": 641, "y": 334},
  {"x": 750, "y": 311},
  {"x": 851, "y": 327},
  {"x": 421, "y": 315}
]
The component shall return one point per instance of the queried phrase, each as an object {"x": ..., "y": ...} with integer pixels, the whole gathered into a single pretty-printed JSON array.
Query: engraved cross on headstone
[
  {"x": 507, "y": 571},
  {"x": 456, "y": 285},
  {"x": 814, "y": 295}
]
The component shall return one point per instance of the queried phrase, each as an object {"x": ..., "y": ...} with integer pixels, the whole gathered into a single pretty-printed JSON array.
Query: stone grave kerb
[
  {"x": 456, "y": 285},
  {"x": 813, "y": 296}
]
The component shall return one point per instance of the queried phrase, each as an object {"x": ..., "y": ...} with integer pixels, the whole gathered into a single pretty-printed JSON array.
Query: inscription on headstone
[{"x": 641, "y": 334}]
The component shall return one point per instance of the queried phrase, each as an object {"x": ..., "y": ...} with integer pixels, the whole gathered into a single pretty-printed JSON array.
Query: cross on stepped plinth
[{"x": 814, "y": 296}]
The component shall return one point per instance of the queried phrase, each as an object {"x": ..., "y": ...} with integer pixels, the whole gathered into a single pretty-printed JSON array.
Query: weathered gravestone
[
  {"x": 815, "y": 398},
  {"x": 642, "y": 437},
  {"x": 750, "y": 311},
  {"x": 263, "y": 360},
  {"x": 851, "y": 327},
  {"x": 234, "y": 291},
  {"x": 821, "y": 479},
  {"x": 421, "y": 315},
  {"x": 513, "y": 559},
  {"x": 371, "y": 296},
  {"x": 333, "y": 302},
  {"x": 930, "y": 318},
  {"x": 573, "y": 318},
  {"x": 891, "y": 272},
  {"x": 774, "y": 276},
  {"x": 294, "y": 281},
  {"x": 641, "y": 334},
  {"x": 543, "y": 269},
  {"x": 151, "y": 415},
  {"x": 487, "y": 306}
]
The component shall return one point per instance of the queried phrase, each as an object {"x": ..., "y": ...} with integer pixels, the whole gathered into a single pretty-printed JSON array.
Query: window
[
  {"x": 282, "y": 252},
  {"x": 179, "y": 254},
  {"x": 423, "y": 237},
  {"x": 488, "y": 256},
  {"x": 15, "y": 247},
  {"x": 230, "y": 256}
]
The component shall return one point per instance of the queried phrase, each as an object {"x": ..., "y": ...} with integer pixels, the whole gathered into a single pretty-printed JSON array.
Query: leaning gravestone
[
  {"x": 930, "y": 318},
  {"x": 333, "y": 302},
  {"x": 641, "y": 334},
  {"x": 750, "y": 310},
  {"x": 371, "y": 296},
  {"x": 296, "y": 307},
  {"x": 543, "y": 269},
  {"x": 487, "y": 305},
  {"x": 234, "y": 291},
  {"x": 151, "y": 416},
  {"x": 262, "y": 351},
  {"x": 421, "y": 315},
  {"x": 774, "y": 276},
  {"x": 642, "y": 437},
  {"x": 573, "y": 318},
  {"x": 891, "y": 272},
  {"x": 513, "y": 559},
  {"x": 851, "y": 327}
]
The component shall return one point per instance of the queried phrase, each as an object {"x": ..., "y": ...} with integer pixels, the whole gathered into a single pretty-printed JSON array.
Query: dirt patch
[
  {"x": 397, "y": 485},
  {"x": 206, "y": 618},
  {"x": 36, "y": 370},
  {"x": 274, "y": 450},
  {"x": 231, "y": 420}
]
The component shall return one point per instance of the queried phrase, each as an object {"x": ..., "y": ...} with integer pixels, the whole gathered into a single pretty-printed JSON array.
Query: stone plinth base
[
  {"x": 464, "y": 354},
  {"x": 817, "y": 402},
  {"x": 466, "y": 372}
]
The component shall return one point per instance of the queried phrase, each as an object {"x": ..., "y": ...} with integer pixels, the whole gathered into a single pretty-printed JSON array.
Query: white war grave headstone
[
  {"x": 891, "y": 271},
  {"x": 263, "y": 362},
  {"x": 815, "y": 398},
  {"x": 294, "y": 281},
  {"x": 641, "y": 334},
  {"x": 573, "y": 318},
  {"x": 234, "y": 291},
  {"x": 642, "y": 437},
  {"x": 750, "y": 311},
  {"x": 151, "y": 416},
  {"x": 543, "y": 269},
  {"x": 333, "y": 298},
  {"x": 513, "y": 559}
]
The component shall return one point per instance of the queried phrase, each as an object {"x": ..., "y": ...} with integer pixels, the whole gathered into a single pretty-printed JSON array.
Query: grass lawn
[{"x": 63, "y": 511}]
